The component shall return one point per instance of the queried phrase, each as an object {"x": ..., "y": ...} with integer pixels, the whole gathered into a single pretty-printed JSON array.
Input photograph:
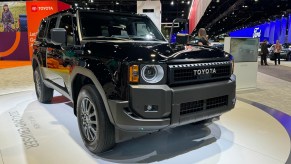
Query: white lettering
[
  {"x": 47, "y": 8},
  {"x": 257, "y": 33},
  {"x": 204, "y": 71}
]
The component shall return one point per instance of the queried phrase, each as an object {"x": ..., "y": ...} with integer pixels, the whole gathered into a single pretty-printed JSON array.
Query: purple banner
[
  {"x": 282, "y": 38},
  {"x": 272, "y": 32},
  {"x": 7, "y": 39}
]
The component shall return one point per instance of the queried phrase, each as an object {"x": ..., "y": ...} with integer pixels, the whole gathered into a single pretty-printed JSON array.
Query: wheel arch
[{"x": 81, "y": 76}]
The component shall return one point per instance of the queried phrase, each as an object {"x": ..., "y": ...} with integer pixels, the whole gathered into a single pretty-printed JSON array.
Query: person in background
[
  {"x": 7, "y": 19},
  {"x": 264, "y": 52},
  {"x": 203, "y": 39},
  {"x": 277, "y": 50}
]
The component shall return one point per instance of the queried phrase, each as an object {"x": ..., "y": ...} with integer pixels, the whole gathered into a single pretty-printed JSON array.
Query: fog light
[{"x": 151, "y": 108}]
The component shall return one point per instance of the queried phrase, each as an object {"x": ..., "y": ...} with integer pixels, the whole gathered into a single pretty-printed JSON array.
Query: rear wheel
[
  {"x": 95, "y": 127},
  {"x": 44, "y": 93}
]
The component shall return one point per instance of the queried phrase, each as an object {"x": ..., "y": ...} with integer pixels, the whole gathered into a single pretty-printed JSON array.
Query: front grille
[
  {"x": 185, "y": 73},
  {"x": 191, "y": 107},
  {"x": 200, "y": 105},
  {"x": 216, "y": 102}
]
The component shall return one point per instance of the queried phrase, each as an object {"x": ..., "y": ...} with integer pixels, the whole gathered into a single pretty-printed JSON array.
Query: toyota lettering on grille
[{"x": 204, "y": 71}]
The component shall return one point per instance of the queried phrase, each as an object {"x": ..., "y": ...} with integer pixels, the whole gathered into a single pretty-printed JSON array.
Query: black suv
[{"x": 123, "y": 76}]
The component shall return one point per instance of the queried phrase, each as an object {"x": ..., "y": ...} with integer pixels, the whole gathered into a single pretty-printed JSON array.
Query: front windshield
[{"x": 110, "y": 26}]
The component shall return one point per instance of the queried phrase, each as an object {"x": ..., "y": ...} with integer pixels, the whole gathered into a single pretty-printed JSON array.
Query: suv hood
[{"x": 149, "y": 51}]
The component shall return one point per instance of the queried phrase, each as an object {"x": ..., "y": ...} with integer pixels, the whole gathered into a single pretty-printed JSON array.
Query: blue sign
[{"x": 271, "y": 31}]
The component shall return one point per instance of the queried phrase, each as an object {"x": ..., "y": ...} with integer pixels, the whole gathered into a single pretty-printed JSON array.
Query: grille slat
[
  {"x": 196, "y": 106},
  {"x": 199, "y": 72}
]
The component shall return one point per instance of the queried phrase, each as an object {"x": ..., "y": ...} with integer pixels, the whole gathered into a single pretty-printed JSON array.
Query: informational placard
[
  {"x": 244, "y": 49},
  {"x": 245, "y": 53}
]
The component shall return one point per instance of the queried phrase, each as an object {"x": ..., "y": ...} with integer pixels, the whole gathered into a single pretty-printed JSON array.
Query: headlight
[{"x": 152, "y": 73}]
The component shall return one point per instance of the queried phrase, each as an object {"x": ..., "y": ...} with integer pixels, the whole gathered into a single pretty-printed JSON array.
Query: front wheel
[{"x": 95, "y": 127}]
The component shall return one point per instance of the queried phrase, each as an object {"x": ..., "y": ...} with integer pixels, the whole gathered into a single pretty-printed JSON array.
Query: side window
[
  {"x": 42, "y": 27},
  {"x": 52, "y": 24},
  {"x": 67, "y": 24}
]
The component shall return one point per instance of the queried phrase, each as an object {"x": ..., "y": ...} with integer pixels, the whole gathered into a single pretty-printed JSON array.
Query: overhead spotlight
[
  {"x": 117, "y": 3},
  {"x": 256, "y": 0},
  {"x": 91, "y": 1},
  {"x": 188, "y": 2},
  {"x": 172, "y": 3},
  {"x": 182, "y": 2},
  {"x": 76, "y": 4},
  {"x": 217, "y": 1}
]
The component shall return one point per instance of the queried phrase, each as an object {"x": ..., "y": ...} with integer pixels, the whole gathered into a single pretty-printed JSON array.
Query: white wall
[{"x": 156, "y": 16}]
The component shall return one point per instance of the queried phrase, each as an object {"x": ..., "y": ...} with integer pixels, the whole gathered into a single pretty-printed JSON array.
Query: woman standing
[
  {"x": 203, "y": 39},
  {"x": 7, "y": 19},
  {"x": 277, "y": 50}
]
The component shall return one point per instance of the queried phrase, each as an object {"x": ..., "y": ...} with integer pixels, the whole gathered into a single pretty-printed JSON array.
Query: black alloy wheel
[{"x": 96, "y": 130}]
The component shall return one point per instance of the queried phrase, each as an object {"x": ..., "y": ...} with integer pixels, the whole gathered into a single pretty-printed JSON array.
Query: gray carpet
[{"x": 278, "y": 71}]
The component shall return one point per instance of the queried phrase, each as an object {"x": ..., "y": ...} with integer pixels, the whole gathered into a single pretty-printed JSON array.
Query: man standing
[
  {"x": 264, "y": 52},
  {"x": 277, "y": 50}
]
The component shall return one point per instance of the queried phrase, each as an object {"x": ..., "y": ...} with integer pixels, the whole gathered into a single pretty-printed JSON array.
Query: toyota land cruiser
[{"x": 122, "y": 75}]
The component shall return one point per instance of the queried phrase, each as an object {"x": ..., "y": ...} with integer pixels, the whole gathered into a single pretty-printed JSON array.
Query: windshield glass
[{"x": 110, "y": 26}]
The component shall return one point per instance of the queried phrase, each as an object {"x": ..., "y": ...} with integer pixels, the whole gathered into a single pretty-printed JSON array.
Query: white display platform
[{"x": 35, "y": 133}]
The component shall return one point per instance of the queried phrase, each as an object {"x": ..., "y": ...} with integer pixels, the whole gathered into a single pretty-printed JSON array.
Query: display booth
[
  {"x": 153, "y": 9},
  {"x": 19, "y": 27},
  {"x": 245, "y": 53}
]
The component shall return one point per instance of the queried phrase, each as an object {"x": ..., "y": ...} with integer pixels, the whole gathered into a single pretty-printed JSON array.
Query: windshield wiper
[{"x": 107, "y": 38}]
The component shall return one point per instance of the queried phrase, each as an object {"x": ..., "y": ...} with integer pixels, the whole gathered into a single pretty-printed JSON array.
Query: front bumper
[{"x": 172, "y": 106}]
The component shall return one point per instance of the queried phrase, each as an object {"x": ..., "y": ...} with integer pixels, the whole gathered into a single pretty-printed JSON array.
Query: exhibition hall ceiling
[
  {"x": 171, "y": 9},
  {"x": 221, "y": 16}
]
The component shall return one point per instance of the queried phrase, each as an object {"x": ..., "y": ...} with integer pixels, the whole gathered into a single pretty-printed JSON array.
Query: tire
[
  {"x": 96, "y": 130},
  {"x": 44, "y": 94}
]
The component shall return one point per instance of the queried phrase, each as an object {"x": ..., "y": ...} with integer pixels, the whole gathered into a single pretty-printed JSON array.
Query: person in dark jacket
[{"x": 264, "y": 52}]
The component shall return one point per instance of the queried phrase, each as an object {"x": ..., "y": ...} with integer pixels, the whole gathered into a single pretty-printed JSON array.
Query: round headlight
[{"x": 152, "y": 73}]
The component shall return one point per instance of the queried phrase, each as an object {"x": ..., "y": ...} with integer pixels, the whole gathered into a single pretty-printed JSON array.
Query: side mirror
[
  {"x": 59, "y": 36},
  {"x": 182, "y": 38}
]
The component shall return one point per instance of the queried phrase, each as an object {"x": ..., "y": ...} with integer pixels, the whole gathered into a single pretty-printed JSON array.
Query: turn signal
[{"x": 133, "y": 74}]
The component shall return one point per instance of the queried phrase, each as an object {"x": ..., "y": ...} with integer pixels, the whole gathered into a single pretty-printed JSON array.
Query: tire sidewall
[
  {"x": 91, "y": 94},
  {"x": 37, "y": 71}
]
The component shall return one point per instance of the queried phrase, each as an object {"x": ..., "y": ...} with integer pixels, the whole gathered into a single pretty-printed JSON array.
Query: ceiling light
[
  {"x": 172, "y": 3},
  {"x": 217, "y": 1},
  {"x": 182, "y": 2},
  {"x": 256, "y": 0},
  {"x": 76, "y": 4},
  {"x": 91, "y": 1},
  {"x": 117, "y": 3},
  {"x": 188, "y": 2}
]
